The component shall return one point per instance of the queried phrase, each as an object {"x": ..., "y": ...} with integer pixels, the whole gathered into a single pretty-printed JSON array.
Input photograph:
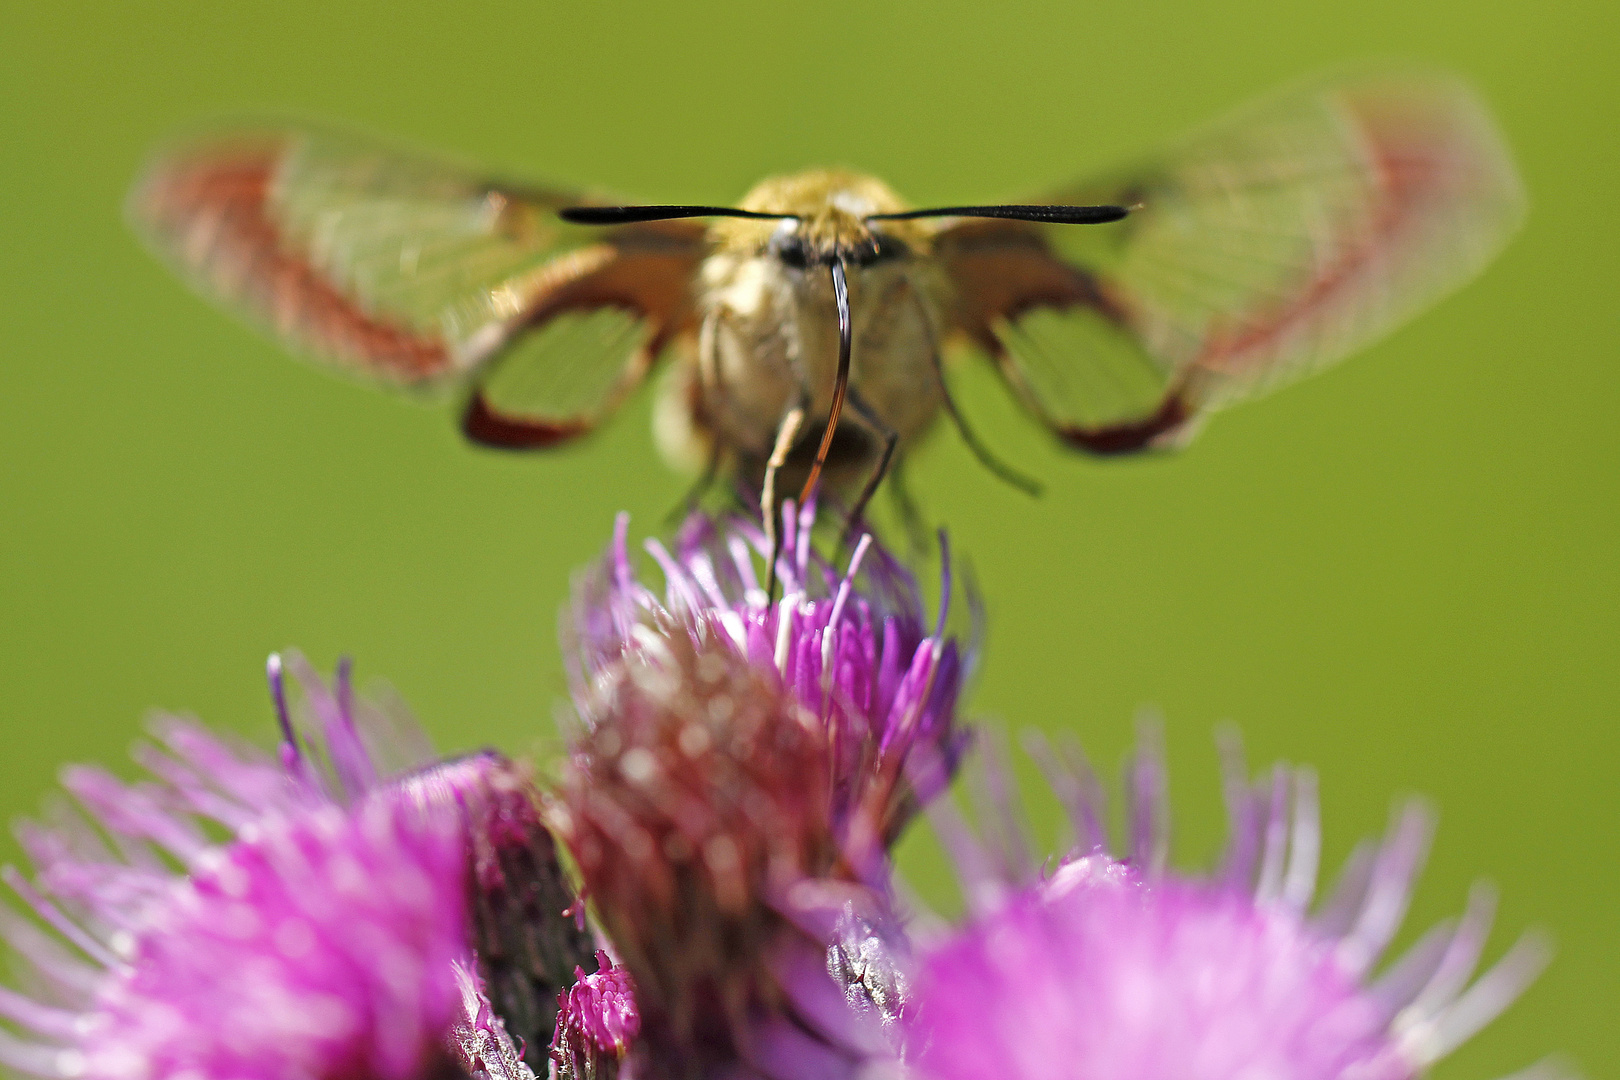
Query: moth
[{"x": 809, "y": 327}]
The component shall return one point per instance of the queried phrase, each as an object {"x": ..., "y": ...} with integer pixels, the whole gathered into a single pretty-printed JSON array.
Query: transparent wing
[
  {"x": 412, "y": 270},
  {"x": 1264, "y": 247}
]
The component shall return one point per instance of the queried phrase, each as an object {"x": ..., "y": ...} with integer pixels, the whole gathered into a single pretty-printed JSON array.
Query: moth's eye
[
  {"x": 790, "y": 249},
  {"x": 881, "y": 249}
]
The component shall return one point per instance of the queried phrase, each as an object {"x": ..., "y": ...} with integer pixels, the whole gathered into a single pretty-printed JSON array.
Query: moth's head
[
  {"x": 830, "y": 218},
  {"x": 824, "y": 217}
]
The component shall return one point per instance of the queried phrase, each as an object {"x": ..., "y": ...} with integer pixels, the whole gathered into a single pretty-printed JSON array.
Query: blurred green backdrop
[{"x": 1404, "y": 571}]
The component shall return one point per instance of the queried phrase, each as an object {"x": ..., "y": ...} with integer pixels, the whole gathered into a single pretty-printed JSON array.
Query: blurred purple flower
[
  {"x": 239, "y": 919},
  {"x": 854, "y": 648},
  {"x": 1121, "y": 970}
]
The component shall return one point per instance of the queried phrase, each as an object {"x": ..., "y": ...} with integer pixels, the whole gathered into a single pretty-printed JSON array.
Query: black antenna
[
  {"x": 1051, "y": 215},
  {"x": 629, "y": 215}
]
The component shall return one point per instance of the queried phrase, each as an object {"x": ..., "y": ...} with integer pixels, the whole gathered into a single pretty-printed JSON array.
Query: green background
[{"x": 1403, "y": 571}]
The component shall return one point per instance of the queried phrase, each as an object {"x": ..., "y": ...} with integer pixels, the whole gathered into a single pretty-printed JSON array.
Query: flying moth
[{"x": 809, "y": 329}]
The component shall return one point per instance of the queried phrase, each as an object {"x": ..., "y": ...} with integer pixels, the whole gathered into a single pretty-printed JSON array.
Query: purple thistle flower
[
  {"x": 1121, "y": 970},
  {"x": 697, "y": 809},
  {"x": 316, "y": 943},
  {"x": 596, "y": 1021},
  {"x": 319, "y": 947},
  {"x": 239, "y": 917},
  {"x": 525, "y": 948},
  {"x": 854, "y": 648}
]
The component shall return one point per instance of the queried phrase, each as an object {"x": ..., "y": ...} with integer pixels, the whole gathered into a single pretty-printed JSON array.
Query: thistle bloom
[
  {"x": 356, "y": 910},
  {"x": 236, "y": 917},
  {"x": 318, "y": 941},
  {"x": 1120, "y": 970},
  {"x": 697, "y": 807},
  {"x": 855, "y": 649}
]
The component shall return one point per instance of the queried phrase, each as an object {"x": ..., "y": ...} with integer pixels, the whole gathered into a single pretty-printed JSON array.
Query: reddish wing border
[
  {"x": 650, "y": 274},
  {"x": 209, "y": 213},
  {"x": 1386, "y": 189},
  {"x": 1001, "y": 270}
]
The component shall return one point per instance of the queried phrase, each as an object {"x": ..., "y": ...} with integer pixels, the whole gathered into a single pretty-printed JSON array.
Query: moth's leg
[
  {"x": 700, "y": 487},
  {"x": 785, "y": 434},
  {"x": 891, "y": 439},
  {"x": 1006, "y": 473}
]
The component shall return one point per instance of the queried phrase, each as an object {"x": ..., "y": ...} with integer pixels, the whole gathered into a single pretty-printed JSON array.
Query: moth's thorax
[{"x": 769, "y": 332}]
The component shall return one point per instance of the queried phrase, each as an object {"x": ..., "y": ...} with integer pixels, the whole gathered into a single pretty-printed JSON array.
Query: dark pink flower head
[
  {"x": 696, "y": 808},
  {"x": 1122, "y": 970},
  {"x": 239, "y": 917},
  {"x": 855, "y": 648},
  {"x": 596, "y": 1021}
]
